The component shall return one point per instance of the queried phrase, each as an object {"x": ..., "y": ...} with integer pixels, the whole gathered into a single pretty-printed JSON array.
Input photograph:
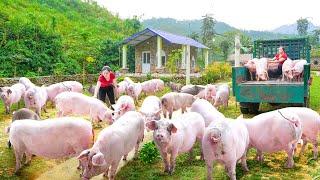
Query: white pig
[
  {"x": 55, "y": 89},
  {"x": 287, "y": 67},
  {"x": 36, "y": 98},
  {"x": 222, "y": 96},
  {"x": 52, "y": 138},
  {"x": 73, "y": 103},
  {"x": 151, "y": 108},
  {"x": 26, "y": 82},
  {"x": 173, "y": 101},
  {"x": 113, "y": 142},
  {"x": 261, "y": 69},
  {"x": 11, "y": 95},
  {"x": 225, "y": 141},
  {"x": 298, "y": 68},
  {"x": 124, "y": 104},
  {"x": 121, "y": 88},
  {"x": 134, "y": 90},
  {"x": 251, "y": 67},
  {"x": 275, "y": 131},
  {"x": 208, "y": 112},
  {"x": 152, "y": 86},
  {"x": 177, "y": 136}
]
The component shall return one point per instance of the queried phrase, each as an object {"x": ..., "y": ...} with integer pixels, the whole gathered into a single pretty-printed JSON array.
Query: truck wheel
[
  {"x": 244, "y": 110},
  {"x": 254, "y": 109}
]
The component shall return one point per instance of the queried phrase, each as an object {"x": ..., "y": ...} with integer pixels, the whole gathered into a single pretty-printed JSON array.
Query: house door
[{"x": 146, "y": 62}]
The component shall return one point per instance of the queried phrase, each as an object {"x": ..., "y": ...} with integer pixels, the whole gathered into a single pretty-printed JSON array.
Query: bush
[
  {"x": 216, "y": 71},
  {"x": 149, "y": 153}
]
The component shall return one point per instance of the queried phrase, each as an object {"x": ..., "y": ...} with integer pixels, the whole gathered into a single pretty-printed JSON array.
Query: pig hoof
[{"x": 79, "y": 168}]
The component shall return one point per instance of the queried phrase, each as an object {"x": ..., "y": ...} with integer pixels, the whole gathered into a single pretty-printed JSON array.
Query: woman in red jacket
[
  {"x": 277, "y": 62},
  {"x": 106, "y": 83}
]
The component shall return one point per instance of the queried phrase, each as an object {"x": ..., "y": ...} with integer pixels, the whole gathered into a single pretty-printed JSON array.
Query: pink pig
[
  {"x": 298, "y": 68},
  {"x": 261, "y": 69},
  {"x": 124, "y": 104},
  {"x": 251, "y": 67},
  {"x": 52, "y": 138},
  {"x": 173, "y": 101},
  {"x": 55, "y": 89},
  {"x": 151, "y": 108},
  {"x": 11, "y": 95},
  {"x": 222, "y": 96},
  {"x": 36, "y": 98},
  {"x": 113, "y": 142},
  {"x": 152, "y": 86},
  {"x": 225, "y": 141},
  {"x": 177, "y": 136},
  {"x": 73, "y": 103},
  {"x": 26, "y": 82},
  {"x": 287, "y": 70},
  {"x": 134, "y": 90}
]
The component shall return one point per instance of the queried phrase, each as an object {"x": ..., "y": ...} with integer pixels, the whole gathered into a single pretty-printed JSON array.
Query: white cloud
[{"x": 243, "y": 14}]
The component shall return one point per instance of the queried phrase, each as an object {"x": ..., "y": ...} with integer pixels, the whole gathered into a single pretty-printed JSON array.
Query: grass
[{"x": 272, "y": 168}]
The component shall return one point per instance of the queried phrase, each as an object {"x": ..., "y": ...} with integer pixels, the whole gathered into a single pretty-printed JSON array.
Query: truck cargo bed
[{"x": 271, "y": 82}]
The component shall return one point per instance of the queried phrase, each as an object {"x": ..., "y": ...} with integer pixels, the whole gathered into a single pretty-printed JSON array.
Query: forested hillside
[{"x": 42, "y": 37}]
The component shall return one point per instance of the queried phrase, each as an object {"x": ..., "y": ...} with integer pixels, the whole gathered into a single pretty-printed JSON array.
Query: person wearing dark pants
[
  {"x": 277, "y": 62},
  {"x": 105, "y": 85}
]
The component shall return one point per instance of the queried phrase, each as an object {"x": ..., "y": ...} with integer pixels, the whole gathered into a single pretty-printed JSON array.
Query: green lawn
[{"x": 272, "y": 168}]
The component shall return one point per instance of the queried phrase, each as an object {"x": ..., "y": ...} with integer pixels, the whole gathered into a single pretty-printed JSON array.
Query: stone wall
[{"x": 151, "y": 45}]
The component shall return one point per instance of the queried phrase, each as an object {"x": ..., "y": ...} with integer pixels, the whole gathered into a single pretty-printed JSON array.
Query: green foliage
[
  {"x": 149, "y": 76},
  {"x": 174, "y": 59},
  {"x": 149, "y": 153},
  {"x": 216, "y": 71},
  {"x": 302, "y": 26},
  {"x": 207, "y": 30},
  {"x": 315, "y": 52},
  {"x": 58, "y": 36}
]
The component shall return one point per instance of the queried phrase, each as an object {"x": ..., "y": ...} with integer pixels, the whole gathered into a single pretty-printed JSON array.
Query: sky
[{"x": 242, "y": 14}]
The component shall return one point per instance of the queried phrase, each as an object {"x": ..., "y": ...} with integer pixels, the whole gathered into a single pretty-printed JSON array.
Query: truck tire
[
  {"x": 254, "y": 109},
  {"x": 244, "y": 110},
  {"x": 249, "y": 108}
]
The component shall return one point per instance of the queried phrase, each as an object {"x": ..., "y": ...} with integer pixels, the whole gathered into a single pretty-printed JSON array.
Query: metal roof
[{"x": 171, "y": 38}]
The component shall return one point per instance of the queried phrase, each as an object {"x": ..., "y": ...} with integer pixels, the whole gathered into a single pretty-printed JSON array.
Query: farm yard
[{"x": 271, "y": 168}]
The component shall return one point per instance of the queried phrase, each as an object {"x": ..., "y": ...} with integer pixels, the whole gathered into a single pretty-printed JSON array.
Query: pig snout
[{"x": 215, "y": 135}]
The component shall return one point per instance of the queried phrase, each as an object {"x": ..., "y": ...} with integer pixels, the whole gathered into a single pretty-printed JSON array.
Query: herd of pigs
[
  {"x": 221, "y": 139},
  {"x": 291, "y": 69}
]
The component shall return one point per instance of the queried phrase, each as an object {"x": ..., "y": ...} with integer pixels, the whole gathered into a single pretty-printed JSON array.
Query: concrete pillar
[
  {"x": 206, "y": 57},
  {"x": 188, "y": 64},
  {"x": 124, "y": 56},
  {"x": 237, "y": 47},
  {"x": 159, "y": 48},
  {"x": 183, "y": 60}
]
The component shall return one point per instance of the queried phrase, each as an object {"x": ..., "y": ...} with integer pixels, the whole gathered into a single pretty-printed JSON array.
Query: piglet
[
  {"x": 113, "y": 142},
  {"x": 124, "y": 104},
  {"x": 11, "y": 95},
  {"x": 287, "y": 67},
  {"x": 208, "y": 112},
  {"x": 225, "y": 141},
  {"x": 36, "y": 98},
  {"x": 176, "y": 136},
  {"x": 73, "y": 103},
  {"x": 53, "y": 138},
  {"x": 298, "y": 68},
  {"x": 173, "y": 101},
  {"x": 251, "y": 67},
  {"x": 26, "y": 82},
  {"x": 222, "y": 96}
]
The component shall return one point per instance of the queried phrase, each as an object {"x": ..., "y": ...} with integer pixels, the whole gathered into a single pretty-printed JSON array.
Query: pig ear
[
  {"x": 172, "y": 128},
  {"x": 84, "y": 154},
  {"x": 151, "y": 125},
  {"x": 9, "y": 91},
  {"x": 124, "y": 107},
  {"x": 98, "y": 160}
]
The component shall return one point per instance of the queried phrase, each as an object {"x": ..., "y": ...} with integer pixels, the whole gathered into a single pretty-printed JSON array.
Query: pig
[
  {"x": 124, "y": 104},
  {"x": 152, "y": 86},
  {"x": 261, "y": 69},
  {"x": 22, "y": 114},
  {"x": 208, "y": 93},
  {"x": 192, "y": 89},
  {"x": 52, "y": 138},
  {"x": 128, "y": 80},
  {"x": 176, "y": 87},
  {"x": 287, "y": 70},
  {"x": 121, "y": 88},
  {"x": 251, "y": 67},
  {"x": 11, "y": 95},
  {"x": 113, "y": 142},
  {"x": 275, "y": 131},
  {"x": 310, "y": 120},
  {"x": 208, "y": 112},
  {"x": 225, "y": 141},
  {"x": 177, "y": 136},
  {"x": 134, "y": 90},
  {"x": 55, "y": 89},
  {"x": 151, "y": 108},
  {"x": 73, "y": 103},
  {"x": 298, "y": 68},
  {"x": 222, "y": 96},
  {"x": 36, "y": 98},
  {"x": 26, "y": 82},
  {"x": 173, "y": 101}
]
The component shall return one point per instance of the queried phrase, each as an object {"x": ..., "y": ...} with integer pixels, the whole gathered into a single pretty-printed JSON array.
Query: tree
[
  {"x": 194, "y": 35},
  {"x": 207, "y": 30},
  {"x": 225, "y": 46},
  {"x": 302, "y": 26}
]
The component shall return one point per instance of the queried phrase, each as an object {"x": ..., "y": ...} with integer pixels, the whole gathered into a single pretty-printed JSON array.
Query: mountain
[
  {"x": 292, "y": 28},
  {"x": 186, "y": 27}
]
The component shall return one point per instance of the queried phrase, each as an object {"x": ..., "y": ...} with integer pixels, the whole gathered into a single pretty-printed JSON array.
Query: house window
[
  {"x": 163, "y": 61},
  {"x": 146, "y": 57}
]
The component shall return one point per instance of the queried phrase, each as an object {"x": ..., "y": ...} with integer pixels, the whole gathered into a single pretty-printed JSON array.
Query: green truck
[{"x": 251, "y": 93}]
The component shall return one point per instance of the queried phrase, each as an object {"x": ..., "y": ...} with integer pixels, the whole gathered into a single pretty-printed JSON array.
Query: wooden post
[
  {"x": 159, "y": 48},
  {"x": 206, "y": 57},
  {"x": 124, "y": 56},
  {"x": 237, "y": 51},
  {"x": 183, "y": 60},
  {"x": 188, "y": 65}
]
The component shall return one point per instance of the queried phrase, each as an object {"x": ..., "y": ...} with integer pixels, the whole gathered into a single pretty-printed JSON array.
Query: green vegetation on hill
[{"x": 57, "y": 36}]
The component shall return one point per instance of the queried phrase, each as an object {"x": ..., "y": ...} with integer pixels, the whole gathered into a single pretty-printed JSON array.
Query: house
[{"x": 152, "y": 48}]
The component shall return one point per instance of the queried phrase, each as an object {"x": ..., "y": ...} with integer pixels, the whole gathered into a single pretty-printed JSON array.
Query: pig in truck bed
[{"x": 251, "y": 93}]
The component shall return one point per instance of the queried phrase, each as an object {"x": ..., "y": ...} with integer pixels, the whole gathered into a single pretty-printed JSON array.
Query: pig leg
[
  {"x": 164, "y": 156},
  {"x": 125, "y": 157},
  {"x": 259, "y": 156},
  {"x": 106, "y": 173},
  {"x": 164, "y": 112},
  {"x": 173, "y": 157},
  {"x": 209, "y": 168},
  {"x": 18, "y": 152},
  {"x": 113, "y": 170},
  {"x": 305, "y": 142},
  {"x": 315, "y": 148},
  {"x": 244, "y": 162},
  {"x": 183, "y": 110},
  {"x": 28, "y": 157},
  {"x": 136, "y": 149},
  {"x": 232, "y": 170},
  {"x": 290, "y": 152},
  {"x": 7, "y": 109}
]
